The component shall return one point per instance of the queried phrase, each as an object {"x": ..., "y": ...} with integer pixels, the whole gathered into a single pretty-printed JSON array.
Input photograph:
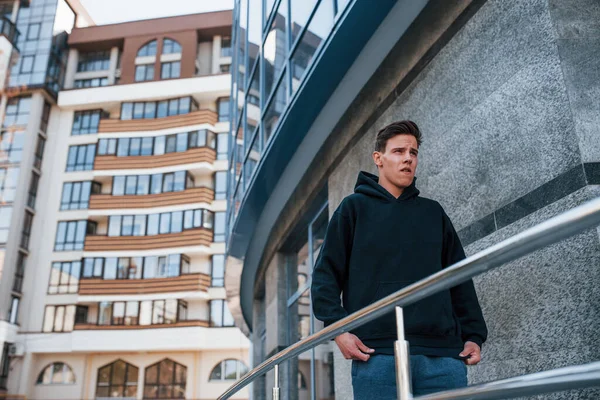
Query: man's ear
[{"x": 377, "y": 159}]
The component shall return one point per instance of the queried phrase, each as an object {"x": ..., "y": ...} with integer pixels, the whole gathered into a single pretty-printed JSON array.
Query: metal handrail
[{"x": 549, "y": 232}]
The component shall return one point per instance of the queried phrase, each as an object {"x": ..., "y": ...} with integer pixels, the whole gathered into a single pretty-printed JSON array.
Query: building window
[
  {"x": 26, "y": 232},
  {"x": 4, "y": 365},
  {"x": 158, "y": 224},
  {"x": 222, "y": 143},
  {"x": 158, "y": 109},
  {"x": 11, "y": 146},
  {"x": 93, "y": 61},
  {"x": 86, "y": 122},
  {"x": 64, "y": 277},
  {"x": 9, "y": 178},
  {"x": 152, "y": 184},
  {"x": 223, "y": 109},
  {"x": 33, "y": 189},
  {"x": 118, "y": 379},
  {"x": 225, "y": 68},
  {"x": 17, "y": 111},
  {"x": 5, "y": 217},
  {"x": 170, "y": 70},
  {"x": 19, "y": 273},
  {"x": 13, "y": 314},
  {"x": 57, "y": 373},
  {"x": 144, "y": 72},
  {"x": 226, "y": 46},
  {"x": 33, "y": 31},
  {"x": 59, "y": 318},
  {"x": 149, "y": 49},
  {"x": 220, "y": 185},
  {"x": 45, "y": 117},
  {"x": 218, "y": 271},
  {"x": 76, "y": 195},
  {"x": 219, "y": 229},
  {"x": 170, "y": 46},
  {"x": 147, "y": 146},
  {"x": 148, "y": 267},
  {"x": 90, "y": 83},
  {"x": 148, "y": 312},
  {"x": 165, "y": 380},
  {"x": 228, "y": 370},
  {"x": 70, "y": 235},
  {"x": 39, "y": 152},
  {"x": 220, "y": 316},
  {"x": 81, "y": 157}
]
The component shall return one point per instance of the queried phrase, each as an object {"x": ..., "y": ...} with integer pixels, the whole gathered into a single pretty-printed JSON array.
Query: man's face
[{"x": 398, "y": 163}]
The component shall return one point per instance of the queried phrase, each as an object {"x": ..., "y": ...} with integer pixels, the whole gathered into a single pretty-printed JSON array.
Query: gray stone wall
[{"x": 511, "y": 103}]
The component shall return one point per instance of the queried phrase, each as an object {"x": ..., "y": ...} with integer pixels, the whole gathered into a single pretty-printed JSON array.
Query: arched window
[
  {"x": 171, "y": 46},
  {"x": 56, "y": 373},
  {"x": 118, "y": 379},
  {"x": 228, "y": 370},
  {"x": 149, "y": 49},
  {"x": 165, "y": 380}
]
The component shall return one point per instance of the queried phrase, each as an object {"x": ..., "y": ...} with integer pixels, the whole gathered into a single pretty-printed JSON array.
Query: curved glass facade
[{"x": 274, "y": 42}]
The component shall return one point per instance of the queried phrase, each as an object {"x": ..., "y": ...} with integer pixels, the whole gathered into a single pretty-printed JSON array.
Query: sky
[{"x": 114, "y": 11}]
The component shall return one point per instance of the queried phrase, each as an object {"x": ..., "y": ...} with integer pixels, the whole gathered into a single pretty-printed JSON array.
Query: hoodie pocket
[{"x": 431, "y": 316}]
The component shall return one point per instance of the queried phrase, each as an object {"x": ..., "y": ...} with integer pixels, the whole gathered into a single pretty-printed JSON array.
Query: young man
[{"x": 379, "y": 240}]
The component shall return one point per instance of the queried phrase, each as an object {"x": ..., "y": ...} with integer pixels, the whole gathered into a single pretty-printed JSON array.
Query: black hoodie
[{"x": 377, "y": 244}]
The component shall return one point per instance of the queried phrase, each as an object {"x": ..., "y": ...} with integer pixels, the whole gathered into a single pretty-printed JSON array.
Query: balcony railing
[
  {"x": 178, "y": 324},
  {"x": 187, "y": 196},
  {"x": 181, "y": 283},
  {"x": 9, "y": 30},
  {"x": 191, "y": 237},
  {"x": 135, "y": 125},
  {"x": 192, "y": 156}
]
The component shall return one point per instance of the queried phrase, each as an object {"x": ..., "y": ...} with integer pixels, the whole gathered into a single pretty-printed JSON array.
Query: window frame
[{"x": 66, "y": 368}]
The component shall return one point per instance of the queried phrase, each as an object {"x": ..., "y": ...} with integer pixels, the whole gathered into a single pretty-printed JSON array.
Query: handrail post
[
  {"x": 276, "y": 387},
  {"x": 402, "y": 355}
]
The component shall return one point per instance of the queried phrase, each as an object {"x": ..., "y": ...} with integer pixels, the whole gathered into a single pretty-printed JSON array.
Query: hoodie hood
[{"x": 368, "y": 184}]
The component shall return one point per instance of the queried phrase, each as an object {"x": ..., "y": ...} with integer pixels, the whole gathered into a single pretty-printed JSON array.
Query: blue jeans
[{"x": 376, "y": 378}]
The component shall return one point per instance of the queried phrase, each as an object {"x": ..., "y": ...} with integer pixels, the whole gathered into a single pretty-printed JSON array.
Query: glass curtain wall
[
  {"x": 274, "y": 43},
  {"x": 312, "y": 370}
]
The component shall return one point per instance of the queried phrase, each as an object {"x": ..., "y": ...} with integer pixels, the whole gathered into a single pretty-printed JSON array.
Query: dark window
[
  {"x": 218, "y": 270},
  {"x": 81, "y": 158},
  {"x": 165, "y": 380},
  {"x": 39, "y": 152},
  {"x": 11, "y": 146},
  {"x": 57, "y": 373},
  {"x": 19, "y": 272},
  {"x": 160, "y": 109},
  {"x": 220, "y": 185},
  {"x": 81, "y": 315},
  {"x": 94, "y": 61},
  {"x": 70, "y": 235},
  {"x": 26, "y": 232},
  {"x": 64, "y": 277},
  {"x": 89, "y": 83},
  {"x": 223, "y": 109},
  {"x": 219, "y": 314},
  {"x": 228, "y": 370},
  {"x": 118, "y": 379},
  {"x": 86, "y": 122},
  {"x": 171, "y": 47},
  {"x": 144, "y": 72},
  {"x": 169, "y": 70},
  {"x": 149, "y": 49},
  {"x": 59, "y": 318},
  {"x": 33, "y": 189},
  {"x": 76, "y": 195},
  {"x": 4, "y": 365},
  {"x": 45, "y": 117},
  {"x": 225, "y": 46}
]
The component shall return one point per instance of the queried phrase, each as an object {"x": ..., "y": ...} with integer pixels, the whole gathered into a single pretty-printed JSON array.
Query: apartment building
[{"x": 120, "y": 257}]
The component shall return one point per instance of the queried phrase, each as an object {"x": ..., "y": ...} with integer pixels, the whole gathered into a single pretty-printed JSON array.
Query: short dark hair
[{"x": 405, "y": 127}]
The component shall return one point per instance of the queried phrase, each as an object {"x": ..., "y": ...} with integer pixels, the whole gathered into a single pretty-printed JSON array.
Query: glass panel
[
  {"x": 274, "y": 110},
  {"x": 299, "y": 14},
  {"x": 274, "y": 48},
  {"x": 254, "y": 30}
]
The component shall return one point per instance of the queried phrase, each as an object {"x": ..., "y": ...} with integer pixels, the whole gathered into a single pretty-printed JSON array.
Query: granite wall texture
[{"x": 509, "y": 104}]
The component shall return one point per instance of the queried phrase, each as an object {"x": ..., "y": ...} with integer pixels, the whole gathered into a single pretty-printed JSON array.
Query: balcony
[
  {"x": 9, "y": 30},
  {"x": 182, "y": 283},
  {"x": 191, "y": 237},
  {"x": 188, "y": 196},
  {"x": 152, "y": 124},
  {"x": 193, "y": 156}
]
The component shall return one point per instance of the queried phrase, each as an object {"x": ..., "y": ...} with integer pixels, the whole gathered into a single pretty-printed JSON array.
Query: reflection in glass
[
  {"x": 254, "y": 31},
  {"x": 274, "y": 110},
  {"x": 299, "y": 14},
  {"x": 274, "y": 48}
]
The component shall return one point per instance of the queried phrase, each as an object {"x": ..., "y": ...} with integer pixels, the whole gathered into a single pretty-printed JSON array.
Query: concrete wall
[{"x": 510, "y": 113}]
